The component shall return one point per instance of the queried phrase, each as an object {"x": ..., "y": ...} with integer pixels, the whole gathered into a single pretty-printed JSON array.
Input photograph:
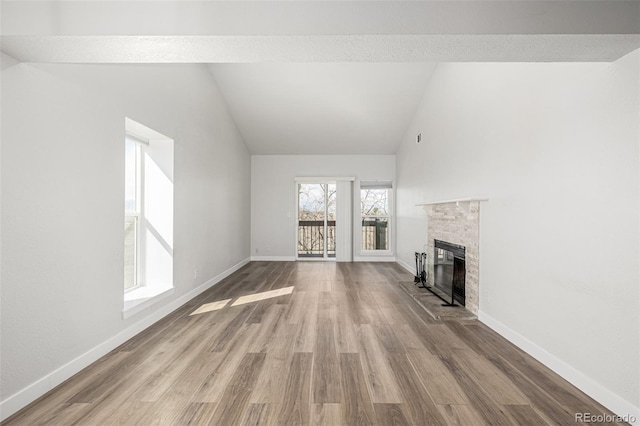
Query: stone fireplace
[{"x": 458, "y": 223}]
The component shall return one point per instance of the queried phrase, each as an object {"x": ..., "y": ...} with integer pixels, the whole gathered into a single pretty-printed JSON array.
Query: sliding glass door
[{"x": 316, "y": 220}]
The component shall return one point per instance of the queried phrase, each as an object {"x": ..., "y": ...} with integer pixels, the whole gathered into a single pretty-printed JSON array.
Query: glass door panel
[
  {"x": 316, "y": 220},
  {"x": 311, "y": 216},
  {"x": 330, "y": 190}
]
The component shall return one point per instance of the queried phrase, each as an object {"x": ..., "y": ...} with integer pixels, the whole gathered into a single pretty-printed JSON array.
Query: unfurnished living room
[{"x": 320, "y": 212}]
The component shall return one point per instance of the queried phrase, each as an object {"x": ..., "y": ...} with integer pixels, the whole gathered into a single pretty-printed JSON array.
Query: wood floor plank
[
  {"x": 524, "y": 414},
  {"x": 272, "y": 381},
  {"x": 269, "y": 326},
  {"x": 356, "y": 307},
  {"x": 326, "y": 308},
  {"x": 391, "y": 414},
  {"x": 357, "y": 406},
  {"x": 259, "y": 414},
  {"x": 236, "y": 395},
  {"x": 489, "y": 410},
  {"x": 420, "y": 405},
  {"x": 493, "y": 380},
  {"x": 296, "y": 405},
  {"x": 182, "y": 358},
  {"x": 198, "y": 413},
  {"x": 326, "y": 367},
  {"x": 307, "y": 326},
  {"x": 392, "y": 315},
  {"x": 183, "y": 389},
  {"x": 229, "y": 332},
  {"x": 410, "y": 341},
  {"x": 262, "y": 309},
  {"x": 64, "y": 414},
  {"x": 326, "y": 414},
  {"x": 387, "y": 337},
  {"x": 462, "y": 415},
  {"x": 379, "y": 376},
  {"x": 345, "y": 333},
  {"x": 436, "y": 379},
  {"x": 295, "y": 310},
  {"x": 106, "y": 379},
  {"x": 213, "y": 385}
]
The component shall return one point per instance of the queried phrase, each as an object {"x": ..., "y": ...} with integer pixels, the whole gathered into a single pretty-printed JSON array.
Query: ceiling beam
[
  {"x": 251, "y": 49},
  {"x": 327, "y": 31}
]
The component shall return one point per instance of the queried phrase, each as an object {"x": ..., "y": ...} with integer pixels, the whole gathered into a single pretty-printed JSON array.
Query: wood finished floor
[{"x": 346, "y": 347}]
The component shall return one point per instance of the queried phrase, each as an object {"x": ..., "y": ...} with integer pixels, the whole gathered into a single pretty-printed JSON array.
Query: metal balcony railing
[
  {"x": 311, "y": 238},
  {"x": 375, "y": 234}
]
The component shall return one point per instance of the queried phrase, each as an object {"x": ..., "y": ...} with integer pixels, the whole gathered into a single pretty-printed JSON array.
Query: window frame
[
  {"x": 155, "y": 217},
  {"x": 138, "y": 213},
  {"x": 389, "y": 187}
]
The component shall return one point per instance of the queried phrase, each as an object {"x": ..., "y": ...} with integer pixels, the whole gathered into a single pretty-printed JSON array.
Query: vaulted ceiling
[
  {"x": 306, "y": 77},
  {"x": 319, "y": 108}
]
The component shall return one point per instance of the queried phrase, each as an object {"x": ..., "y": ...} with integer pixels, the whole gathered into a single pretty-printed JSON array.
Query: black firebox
[{"x": 449, "y": 270}]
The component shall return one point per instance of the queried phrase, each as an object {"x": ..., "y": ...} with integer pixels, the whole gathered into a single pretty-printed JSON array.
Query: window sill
[
  {"x": 141, "y": 298},
  {"x": 376, "y": 253},
  {"x": 384, "y": 256}
]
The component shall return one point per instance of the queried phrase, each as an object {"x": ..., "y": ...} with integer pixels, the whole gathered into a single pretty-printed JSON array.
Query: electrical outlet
[{"x": 195, "y": 274}]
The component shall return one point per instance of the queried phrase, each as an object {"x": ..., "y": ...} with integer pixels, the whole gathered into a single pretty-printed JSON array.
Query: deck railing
[
  {"x": 375, "y": 236},
  {"x": 311, "y": 238}
]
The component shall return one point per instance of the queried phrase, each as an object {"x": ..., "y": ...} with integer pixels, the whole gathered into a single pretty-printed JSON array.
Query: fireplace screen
[{"x": 449, "y": 270}]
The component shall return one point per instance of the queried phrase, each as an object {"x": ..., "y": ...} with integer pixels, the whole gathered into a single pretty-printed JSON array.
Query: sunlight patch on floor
[
  {"x": 261, "y": 296},
  {"x": 208, "y": 307}
]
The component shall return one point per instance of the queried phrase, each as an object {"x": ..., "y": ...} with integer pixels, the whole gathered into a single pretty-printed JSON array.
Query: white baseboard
[
  {"x": 22, "y": 398},
  {"x": 604, "y": 396},
  {"x": 374, "y": 258},
  {"x": 273, "y": 258},
  {"x": 406, "y": 266}
]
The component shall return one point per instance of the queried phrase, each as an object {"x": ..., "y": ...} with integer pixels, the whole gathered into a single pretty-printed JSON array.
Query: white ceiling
[
  {"x": 320, "y": 108},
  {"x": 311, "y": 77}
]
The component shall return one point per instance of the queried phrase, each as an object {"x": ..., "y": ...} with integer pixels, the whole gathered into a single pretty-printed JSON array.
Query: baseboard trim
[
  {"x": 406, "y": 266},
  {"x": 586, "y": 384},
  {"x": 273, "y": 258},
  {"x": 24, "y": 397},
  {"x": 374, "y": 258}
]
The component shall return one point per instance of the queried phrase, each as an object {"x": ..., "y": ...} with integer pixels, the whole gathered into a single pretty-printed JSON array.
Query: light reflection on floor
[
  {"x": 214, "y": 306},
  {"x": 208, "y": 307},
  {"x": 261, "y": 296}
]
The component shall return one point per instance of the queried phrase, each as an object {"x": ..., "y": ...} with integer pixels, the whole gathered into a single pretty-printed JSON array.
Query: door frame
[{"x": 315, "y": 180}]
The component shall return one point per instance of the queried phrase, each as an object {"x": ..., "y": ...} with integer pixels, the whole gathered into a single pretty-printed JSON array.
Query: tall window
[
  {"x": 375, "y": 212},
  {"x": 131, "y": 212},
  {"x": 148, "y": 212}
]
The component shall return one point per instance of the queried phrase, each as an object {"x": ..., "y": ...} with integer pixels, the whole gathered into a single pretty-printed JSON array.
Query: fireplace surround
[{"x": 457, "y": 222}]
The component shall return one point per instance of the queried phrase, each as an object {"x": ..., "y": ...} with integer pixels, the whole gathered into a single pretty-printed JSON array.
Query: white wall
[
  {"x": 273, "y": 193},
  {"x": 555, "y": 149},
  {"x": 62, "y": 204}
]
